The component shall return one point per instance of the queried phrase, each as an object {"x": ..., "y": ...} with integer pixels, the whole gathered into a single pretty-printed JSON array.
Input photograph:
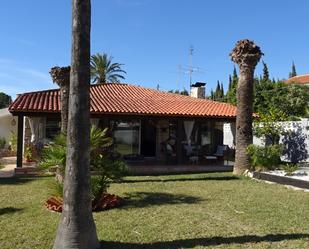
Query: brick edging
[{"x": 281, "y": 180}]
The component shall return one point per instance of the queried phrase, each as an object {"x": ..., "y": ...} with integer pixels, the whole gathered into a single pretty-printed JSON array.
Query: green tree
[
  {"x": 292, "y": 99},
  {"x": 217, "y": 94},
  {"x": 183, "y": 92},
  {"x": 222, "y": 93},
  {"x": 231, "y": 93},
  {"x": 5, "y": 100},
  {"x": 293, "y": 71},
  {"x": 265, "y": 72},
  {"x": 212, "y": 95},
  {"x": 268, "y": 127},
  {"x": 103, "y": 70}
]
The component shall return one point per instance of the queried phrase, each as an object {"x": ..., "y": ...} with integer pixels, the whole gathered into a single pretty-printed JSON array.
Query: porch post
[
  {"x": 20, "y": 137},
  {"x": 178, "y": 141}
]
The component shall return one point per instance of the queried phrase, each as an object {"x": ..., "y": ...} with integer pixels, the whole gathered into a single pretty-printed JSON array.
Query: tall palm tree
[
  {"x": 61, "y": 76},
  {"x": 246, "y": 54},
  {"x": 103, "y": 70},
  {"x": 76, "y": 228}
]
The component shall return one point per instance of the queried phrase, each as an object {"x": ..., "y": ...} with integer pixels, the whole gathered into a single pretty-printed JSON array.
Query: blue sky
[{"x": 152, "y": 38}]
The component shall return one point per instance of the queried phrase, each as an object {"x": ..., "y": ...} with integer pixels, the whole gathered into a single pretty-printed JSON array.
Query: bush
[
  {"x": 13, "y": 142},
  {"x": 264, "y": 157},
  {"x": 2, "y": 143},
  {"x": 109, "y": 169},
  {"x": 290, "y": 168}
]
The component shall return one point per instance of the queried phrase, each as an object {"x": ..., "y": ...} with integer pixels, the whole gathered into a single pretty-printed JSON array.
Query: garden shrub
[
  {"x": 2, "y": 143},
  {"x": 108, "y": 168},
  {"x": 13, "y": 142},
  {"x": 264, "y": 157},
  {"x": 290, "y": 168}
]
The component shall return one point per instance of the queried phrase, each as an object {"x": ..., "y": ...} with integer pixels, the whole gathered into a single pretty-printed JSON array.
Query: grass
[{"x": 180, "y": 211}]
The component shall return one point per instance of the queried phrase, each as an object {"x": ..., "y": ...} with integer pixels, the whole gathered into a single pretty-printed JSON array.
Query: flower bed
[{"x": 105, "y": 202}]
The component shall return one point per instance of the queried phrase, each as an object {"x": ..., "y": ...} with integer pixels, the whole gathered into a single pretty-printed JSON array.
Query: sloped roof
[
  {"x": 300, "y": 79},
  {"x": 127, "y": 99}
]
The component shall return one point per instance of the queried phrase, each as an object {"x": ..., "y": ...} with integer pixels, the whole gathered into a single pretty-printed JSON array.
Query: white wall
[
  {"x": 6, "y": 125},
  {"x": 303, "y": 125}
]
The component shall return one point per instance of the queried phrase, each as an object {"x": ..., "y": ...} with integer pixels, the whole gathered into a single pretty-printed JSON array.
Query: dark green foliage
[
  {"x": 103, "y": 70},
  {"x": 294, "y": 145},
  {"x": 5, "y": 100},
  {"x": 231, "y": 93},
  {"x": 13, "y": 142},
  {"x": 218, "y": 94},
  {"x": 222, "y": 92},
  {"x": 54, "y": 155},
  {"x": 290, "y": 168},
  {"x": 2, "y": 142},
  {"x": 183, "y": 92},
  {"x": 265, "y": 72},
  {"x": 264, "y": 157},
  {"x": 292, "y": 100},
  {"x": 268, "y": 127},
  {"x": 293, "y": 71},
  {"x": 109, "y": 169}
]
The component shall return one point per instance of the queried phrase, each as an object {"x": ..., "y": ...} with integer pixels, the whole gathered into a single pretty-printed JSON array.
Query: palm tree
[
  {"x": 246, "y": 54},
  {"x": 76, "y": 228},
  {"x": 61, "y": 76},
  {"x": 104, "y": 71}
]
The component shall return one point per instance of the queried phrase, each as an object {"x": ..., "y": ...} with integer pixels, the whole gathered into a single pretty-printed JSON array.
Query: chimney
[{"x": 198, "y": 90}]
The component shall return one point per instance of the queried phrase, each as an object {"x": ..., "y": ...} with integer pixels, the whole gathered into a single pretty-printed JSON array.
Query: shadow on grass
[
  {"x": 145, "y": 199},
  {"x": 8, "y": 210},
  {"x": 213, "y": 241},
  {"x": 16, "y": 180},
  {"x": 207, "y": 178}
]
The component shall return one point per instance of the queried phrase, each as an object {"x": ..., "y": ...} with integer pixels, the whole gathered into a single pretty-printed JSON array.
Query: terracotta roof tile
[
  {"x": 300, "y": 79},
  {"x": 127, "y": 99}
]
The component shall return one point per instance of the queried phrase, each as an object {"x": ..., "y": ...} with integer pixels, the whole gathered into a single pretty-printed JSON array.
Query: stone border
[{"x": 281, "y": 180}]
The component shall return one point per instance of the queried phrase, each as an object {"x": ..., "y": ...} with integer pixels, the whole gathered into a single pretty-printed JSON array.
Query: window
[
  {"x": 52, "y": 127},
  {"x": 127, "y": 137}
]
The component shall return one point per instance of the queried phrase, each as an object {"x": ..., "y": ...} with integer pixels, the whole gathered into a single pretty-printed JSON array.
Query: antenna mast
[{"x": 190, "y": 63}]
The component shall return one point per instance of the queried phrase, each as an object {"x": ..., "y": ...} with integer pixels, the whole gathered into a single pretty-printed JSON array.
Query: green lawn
[{"x": 183, "y": 211}]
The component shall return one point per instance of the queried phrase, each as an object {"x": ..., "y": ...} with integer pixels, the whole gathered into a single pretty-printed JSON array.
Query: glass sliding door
[{"x": 127, "y": 137}]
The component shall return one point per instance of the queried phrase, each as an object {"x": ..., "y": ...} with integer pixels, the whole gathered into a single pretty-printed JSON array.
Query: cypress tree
[
  {"x": 293, "y": 72},
  {"x": 231, "y": 93},
  {"x": 222, "y": 93},
  {"x": 230, "y": 83},
  {"x": 265, "y": 72}
]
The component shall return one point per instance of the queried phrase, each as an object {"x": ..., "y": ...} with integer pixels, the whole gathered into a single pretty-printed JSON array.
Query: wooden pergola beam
[{"x": 20, "y": 142}]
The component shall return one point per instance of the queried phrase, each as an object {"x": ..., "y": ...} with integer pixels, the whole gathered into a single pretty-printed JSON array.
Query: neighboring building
[
  {"x": 8, "y": 125},
  {"x": 143, "y": 121},
  {"x": 299, "y": 80}
]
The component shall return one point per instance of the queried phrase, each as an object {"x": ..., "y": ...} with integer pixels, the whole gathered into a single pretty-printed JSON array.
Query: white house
[{"x": 8, "y": 124}]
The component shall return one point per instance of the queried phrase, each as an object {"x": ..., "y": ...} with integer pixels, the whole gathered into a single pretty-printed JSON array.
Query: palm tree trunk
[
  {"x": 244, "y": 119},
  {"x": 64, "y": 96},
  {"x": 61, "y": 76},
  {"x": 246, "y": 54},
  {"x": 77, "y": 229}
]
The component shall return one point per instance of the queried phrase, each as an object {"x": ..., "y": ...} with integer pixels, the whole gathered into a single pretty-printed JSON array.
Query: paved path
[
  {"x": 7, "y": 171},
  {"x": 9, "y": 164}
]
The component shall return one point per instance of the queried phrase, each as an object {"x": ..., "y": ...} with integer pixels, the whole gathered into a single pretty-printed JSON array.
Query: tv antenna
[{"x": 190, "y": 69}]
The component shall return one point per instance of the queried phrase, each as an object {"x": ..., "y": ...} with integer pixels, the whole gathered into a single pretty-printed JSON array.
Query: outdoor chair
[{"x": 220, "y": 155}]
